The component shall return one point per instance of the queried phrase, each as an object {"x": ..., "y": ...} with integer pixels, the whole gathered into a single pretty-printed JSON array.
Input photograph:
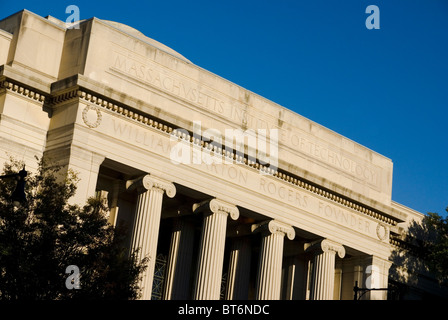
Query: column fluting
[
  {"x": 147, "y": 222},
  {"x": 211, "y": 250},
  {"x": 322, "y": 278},
  {"x": 271, "y": 256}
]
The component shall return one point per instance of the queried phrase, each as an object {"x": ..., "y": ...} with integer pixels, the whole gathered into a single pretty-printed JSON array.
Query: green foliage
[
  {"x": 423, "y": 252},
  {"x": 438, "y": 246},
  {"x": 44, "y": 235}
]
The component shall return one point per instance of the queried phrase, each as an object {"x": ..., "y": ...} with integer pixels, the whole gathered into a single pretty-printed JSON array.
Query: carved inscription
[
  {"x": 251, "y": 180},
  {"x": 178, "y": 87},
  {"x": 145, "y": 138},
  {"x": 192, "y": 91},
  {"x": 335, "y": 159},
  {"x": 283, "y": 193},
  {"x": 346, "y": 218},
  {"x": 228, "y": 172}
]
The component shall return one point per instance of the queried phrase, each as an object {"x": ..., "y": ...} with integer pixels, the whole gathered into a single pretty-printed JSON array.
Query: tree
[
  {"x": 421, "y": 254},
  {"x": 40, "y": 238},
  {"x": 437, "y": 248}
]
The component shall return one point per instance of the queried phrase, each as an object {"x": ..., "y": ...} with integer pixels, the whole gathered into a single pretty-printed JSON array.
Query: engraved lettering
[
  {"x": 283, "y": 192},
  {"x": 335, "y": 159},
  {"x": 170, "y": 82},
  {"x": 228, "y": 172},
  {"x": 167, "y": 83},
  {"x": 121, "y": 129},
  {"x": 140, "y": 137},
  {"x": 344, "y": 217}
]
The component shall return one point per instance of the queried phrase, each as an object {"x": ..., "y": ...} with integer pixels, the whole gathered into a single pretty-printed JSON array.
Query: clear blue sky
[{"x": 386, "y": 89}]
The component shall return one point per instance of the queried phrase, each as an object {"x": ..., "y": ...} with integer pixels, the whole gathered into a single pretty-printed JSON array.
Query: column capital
[
  {"x": 148, "y": 182},
  {"x": 217, "y": 206},
  {"x": 325, "y": 246},
  {"x": 273, "y": 226}
]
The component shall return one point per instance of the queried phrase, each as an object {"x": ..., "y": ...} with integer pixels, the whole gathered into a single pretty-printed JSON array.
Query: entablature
[{"x": 75, "y": 90}]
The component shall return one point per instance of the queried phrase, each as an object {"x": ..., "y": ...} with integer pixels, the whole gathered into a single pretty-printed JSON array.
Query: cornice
[
  {"x": 166, "y": 128},
  {"x": 79, "y": 93}
]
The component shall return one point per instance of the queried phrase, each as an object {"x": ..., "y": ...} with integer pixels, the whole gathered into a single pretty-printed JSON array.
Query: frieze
[{"x": 290, "y": 194}]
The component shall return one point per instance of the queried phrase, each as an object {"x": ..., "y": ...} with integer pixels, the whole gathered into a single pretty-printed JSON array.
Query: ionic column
[
  {"x": 211, "y": 250},
  {"x": 177, "y": 285},
  {"x": 239, "y": 269},
  {"x": 322, "y": 279},
  {"x": 271, "y": 256},
  {"x": 147, "y": 221}
]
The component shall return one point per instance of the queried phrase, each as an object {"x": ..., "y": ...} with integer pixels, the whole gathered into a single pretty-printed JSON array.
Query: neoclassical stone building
[{"x": 291, "y": 211}]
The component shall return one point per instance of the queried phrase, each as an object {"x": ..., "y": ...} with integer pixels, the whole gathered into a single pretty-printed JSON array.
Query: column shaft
[
  {"x": 211, "y": 251},
  {"x": 270, "y": 267},
  {"x": 322, "y": 279},
  {"x": 271, "y": 256},
  {"x": 323, "y": 276},
  {"x": 211, "y": 257},
  {"x": 146, "y": 224}
]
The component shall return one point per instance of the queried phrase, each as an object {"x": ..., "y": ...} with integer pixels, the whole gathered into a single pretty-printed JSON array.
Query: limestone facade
[{"x": 113, "y": 105}]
